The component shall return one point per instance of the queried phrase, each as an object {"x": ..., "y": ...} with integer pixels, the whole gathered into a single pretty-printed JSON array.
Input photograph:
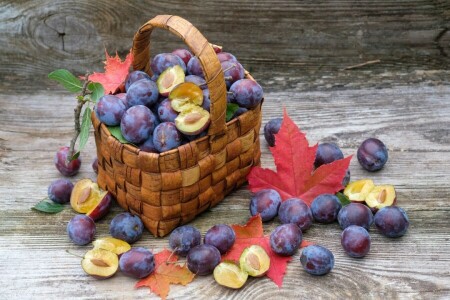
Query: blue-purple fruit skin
[
  {"x": 233, "y": 71},
  {"x": 270, "y": 129},
  {"x": 202, "y": 259},
  {"x": 95, "y": 165},
  {"x": 123, "y": 98},
  {"x": 137, "y": 262},
  {"x": 148, "y": 146},
  {"x": 194, "y": 67},
  {"x": 163, "y": 61},
  {"x": 110, "y": 109},
  {"x": 226, "y": 56},
  {"x": 247, "y": 93},
  {"x": 372, "y": 154},
  {"x": 392, "y": 221},
  {"x": 135, "y": 76},
  {"x": 325, "y": 208},
  {"x": 206, "y": 105},
  {"x": 346, "y": 178},
  {"x": 81, "y": 229},
  {"x": 355, "y": 214},
  {"x": 317, "y": 260},
  {"x": 142, "y": 92},
  {"x": 200, "y": 81},
  {"x": 165, "y": 112},
  {"x": 220, "y": 236},
  {"x": 166, "y": 137},
  {"x": 356, "y": 241},
  {"x": 126, "y": 227},
  {"x": 184, "y": 238},
  {"x": 66, "y": 168},
  {"x": 184, "y": 54},
  {"x": 59, "y": 191},
  {"x": 266, "y": 203},
  {"x": 327, "y": 153},
  {"x": 295, "y": 211},
  {"x": 286, "y": 239},
  {"x": 137, "y": 124}
]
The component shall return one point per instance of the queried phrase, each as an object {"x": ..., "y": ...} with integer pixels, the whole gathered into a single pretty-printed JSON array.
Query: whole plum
[
  {"x": 137, "y": 262},
  {"x": 63, "y": 165},
  {"x": 392, "y": 221},
  {"x": 296, "y": 211},
  {"x": 137, "y": 124},
  {"x": 327, "y": 153},
  {"x": 135, "y": 76},
  {"x": 184, "y": 54},
  {"x": 59, "y": 191},
  {"x": 81, "y": 229},
  {"x": 165, "y": 112},
  {"x": 220, "y": 236},
  {"x": 325, "y": 208},
  {"x": 247, "y": 93},
  {"x": 356, "y": 241},
  {"x": 194, "y": 67},
  {"x": 202, "y": 259},
  {"x": 372, "y": 154},
  {"x": 166, "y": 137},
  {"x": 184, "y": 238},
  {"x": 126, "y": 227},
  {"x": 355, "y": 214},
  {"x": 142, "y": 92},
  {"x": 317, "y": 260},
  {"x": 163, "y": 61},
  {"x": 233, "y": 71},
  {"x": 286, "y": 239},
  {"x": 270, "y": 129},
  {"x": 266, "y": 203},
  {"x": 110, "y": 109}
]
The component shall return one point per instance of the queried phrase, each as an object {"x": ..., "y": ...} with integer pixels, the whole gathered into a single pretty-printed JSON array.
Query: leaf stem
[{"x": 77, "y": 113}]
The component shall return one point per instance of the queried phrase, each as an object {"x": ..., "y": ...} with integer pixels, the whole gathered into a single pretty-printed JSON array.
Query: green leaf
[
  {"x": 75, "y": 156},
  {"x": 85, "y": 126},
  {"x": 97, "y": 91},
  {"x": 231, "y": 109},
  {"x": 67, "y": 79},
  {"x": 115, "y": 131},
  {"x": 48, "y": 206},
  {"x": 343, "y": 199}
]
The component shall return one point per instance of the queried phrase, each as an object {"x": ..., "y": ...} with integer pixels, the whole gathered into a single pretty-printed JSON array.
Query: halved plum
[
  {"x": 192, "y": 120},
  {"x": 357, "y": 191},
  {"x": 185, "y": 93},
  {"x": 381, "y": 196},
  {"x": 170, "y": 78},
  {"x": 100, "y": 263}
]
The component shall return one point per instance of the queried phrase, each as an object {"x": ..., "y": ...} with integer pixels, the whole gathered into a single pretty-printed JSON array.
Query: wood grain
[
  {"x": 412, "y": 120},
  {"x": 289, "y": 43}
]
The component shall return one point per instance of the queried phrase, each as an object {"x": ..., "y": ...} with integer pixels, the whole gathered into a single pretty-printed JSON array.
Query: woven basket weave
[{"x": 171, "y": 188}]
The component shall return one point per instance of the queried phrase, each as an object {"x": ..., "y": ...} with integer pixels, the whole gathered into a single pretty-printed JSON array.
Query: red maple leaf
[
  {"x": 116, "y": 71},
  {"x": 295, "y": 176},
  {"x": 166, "y": 273},
  {"x": 252, "y": 234}
]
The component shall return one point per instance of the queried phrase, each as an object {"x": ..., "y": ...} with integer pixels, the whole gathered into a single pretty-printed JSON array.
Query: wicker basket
[{"x": 171, "y": 188}]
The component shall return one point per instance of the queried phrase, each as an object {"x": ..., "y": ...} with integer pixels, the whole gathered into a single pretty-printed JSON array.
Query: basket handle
[{"x": 200, "y": 48}]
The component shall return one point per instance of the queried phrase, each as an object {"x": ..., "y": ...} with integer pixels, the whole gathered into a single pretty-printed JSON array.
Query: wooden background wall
[{"x": 297, "y": 44}]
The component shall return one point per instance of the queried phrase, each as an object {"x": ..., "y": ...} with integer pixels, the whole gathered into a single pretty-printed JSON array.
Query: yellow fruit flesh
[
  {"x": 112, "y": 244},
  {"x": 230, "y": 275},
  {"x": 100, "y": 263},
  {"x": 184, "y": 94},
  {"x": 358, "y": 190},
  {"x": 255, "y": 261},
  {"x": 381, "y": 196}
]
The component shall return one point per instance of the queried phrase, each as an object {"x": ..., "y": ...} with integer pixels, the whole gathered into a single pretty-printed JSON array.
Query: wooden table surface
[{"x": 404, "y": 100}]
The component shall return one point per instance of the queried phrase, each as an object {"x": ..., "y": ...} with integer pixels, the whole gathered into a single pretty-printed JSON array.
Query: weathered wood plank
[
  {"x": 412, "y": 120},
  {"x": 300, "y": 42}
]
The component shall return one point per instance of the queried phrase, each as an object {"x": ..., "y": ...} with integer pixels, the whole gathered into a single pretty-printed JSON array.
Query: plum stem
[{"x": 77, "y": 113}]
